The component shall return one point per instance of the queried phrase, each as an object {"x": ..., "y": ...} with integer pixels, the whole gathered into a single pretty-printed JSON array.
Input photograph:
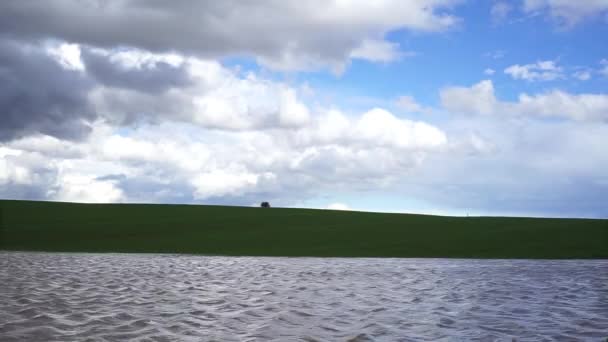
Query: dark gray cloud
[
  {"x": 153, "y": 77},
  {"x": 38, "y": 95},
  {"x": 286, "y": 34}
]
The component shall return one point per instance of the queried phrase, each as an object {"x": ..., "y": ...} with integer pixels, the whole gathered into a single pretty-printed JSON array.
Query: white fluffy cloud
[
  {"x": 182, "y": 155},
  {"x": 73, "y": 187},
  {"x": 381, "y": 127},
  {"x": 215, "y": 97},
  {"x": 13, "y": 169},
  {"x": 592, "y": 107},
  {"x": 220, "y": 134},
  {"x": 539, "y": 71},
  {"x": 480, "y": 99},
  {"x": 477, "y": 99},
  {"x": 68, "y": 55},
  {"x": 225, "y": 182},
  {"x": 376, "y": 127},
  {"x": 275, "y": 147}
]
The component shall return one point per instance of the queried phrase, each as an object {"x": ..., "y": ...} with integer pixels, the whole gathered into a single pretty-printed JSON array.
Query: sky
[{"x": 448, "y": 107}]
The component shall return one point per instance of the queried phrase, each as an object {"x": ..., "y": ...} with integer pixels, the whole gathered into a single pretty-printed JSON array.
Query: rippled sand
[{"x": 121, "y": 297}]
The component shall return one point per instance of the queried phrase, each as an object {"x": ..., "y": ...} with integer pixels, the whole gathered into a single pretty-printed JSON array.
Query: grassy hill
[{"x": 198, "y": 229}]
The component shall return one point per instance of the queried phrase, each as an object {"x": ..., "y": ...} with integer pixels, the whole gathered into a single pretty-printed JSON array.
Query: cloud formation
[
  {"x": 37, "y": 94},
  {"x": 130, "y": 101},
  {"x": 213, "y": 135},
  {"x": 213, "y": 97},
  {"x": 134, "y": 70},
  {"x": 480, "y": 99},
  {"x": 535, "y": 167},
  {"x": 213, "y": 164},
  {"x": 282, "y": 35},
  {"x": 539, "y": 71}
]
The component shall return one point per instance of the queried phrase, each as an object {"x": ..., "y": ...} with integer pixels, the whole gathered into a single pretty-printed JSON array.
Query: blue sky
[
  {"x": 448, "y": 107},
  {"x": 461, "y": 55}
]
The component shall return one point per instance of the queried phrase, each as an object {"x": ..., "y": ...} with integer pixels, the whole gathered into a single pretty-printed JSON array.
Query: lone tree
[{"x": 265, "y": 205}]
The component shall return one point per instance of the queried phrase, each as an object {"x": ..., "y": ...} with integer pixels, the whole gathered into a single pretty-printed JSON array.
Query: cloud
[
  {"x": 376, "y": 127},
  {"x": 582, "y": 75},
  {"x": 535, "y": 168},
  {"x": 381, "y": 127},
  {"x": 214, "y": 97},
  {"x": 540, "y": 71},
  {"x": 226, "y": 182},
  {"x": 185, "y": 162},
  {"x": 592, "y": 107},
  {"x": 567, "y": 13},
  {"x": 46, "y": 144},
  {"x": 39, "y": 94},
  {"x": 25, "y": 174},
  {"x": 62, "y": 90},
  {"x": 133, "y": 69},
  {"x": 512, "y": 165},
  {"x": 10, "y": 171},
  {"x": 68, "y": 55},
  {"x": 279, "y": 34},
  {"x": 477, "y": 99},
  {"x": 489, "y": 71},
  {"x": 377, "y": 51},
  {"x": 86, "y": 189},
  {"x": 204, "y": 133},
  {"x": 480, "y": 99}
]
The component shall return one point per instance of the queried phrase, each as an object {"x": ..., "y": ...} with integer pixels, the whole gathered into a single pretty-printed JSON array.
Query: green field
[{"x": 222, "y": 230}]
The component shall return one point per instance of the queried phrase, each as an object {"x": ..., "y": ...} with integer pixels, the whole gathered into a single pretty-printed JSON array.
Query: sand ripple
[{"x": 122, "y": 297}]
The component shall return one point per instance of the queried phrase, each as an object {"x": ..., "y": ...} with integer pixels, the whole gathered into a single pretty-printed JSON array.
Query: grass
[{"x": 222, "y": 230}]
